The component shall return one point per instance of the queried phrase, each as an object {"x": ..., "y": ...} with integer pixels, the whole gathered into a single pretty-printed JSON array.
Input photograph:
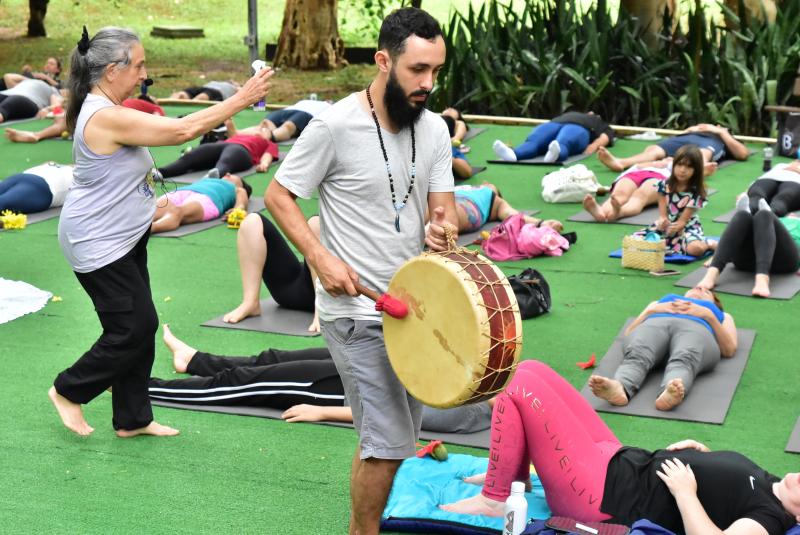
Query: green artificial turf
[{"x": 229, "y": 474}]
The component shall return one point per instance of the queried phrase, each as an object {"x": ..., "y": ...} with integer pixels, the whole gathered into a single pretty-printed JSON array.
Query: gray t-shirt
[
  {"x": 339, "y": 153},
  {"x": 36, "y": 90},
  {"x": 111, "y": 204},
  {"x": 226, "y": 88}
]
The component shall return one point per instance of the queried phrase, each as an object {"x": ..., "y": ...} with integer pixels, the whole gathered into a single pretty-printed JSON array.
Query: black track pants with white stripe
[{"x": 275, "y": 378}]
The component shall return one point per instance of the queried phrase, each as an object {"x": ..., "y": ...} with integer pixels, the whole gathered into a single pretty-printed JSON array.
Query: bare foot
[
  {"x": 153, "y": 428},
  {"x": 71, "y": 413},
  {"x": 245, "y": 310},
  {"x": 709, "y": 168},
  {"x": 761, "y": 288},
  {"x": 615, "y": 208},
  {"x": 672, "y": 396},
  {"x": 477, "y": 505},
  {"x": 21, "y": 136},
  {"x": 182, "y": 353},
  {"x": 709, "y": 280},
  {"x": 477, "y": 479},
  {"x": 609, "y": 160},
  {"x": 591, "y": 206},
  {"x": 608, "y": 389}
]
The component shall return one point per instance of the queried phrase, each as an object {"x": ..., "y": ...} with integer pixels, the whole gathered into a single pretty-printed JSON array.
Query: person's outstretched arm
[
  {"x": 317, "y": 413},
  {"x": 601, "y": 141}
]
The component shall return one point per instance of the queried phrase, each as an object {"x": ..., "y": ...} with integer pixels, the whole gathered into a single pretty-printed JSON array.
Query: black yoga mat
[
  {"x": 37, "y": 217},
  {"x": 793, "y": 446},
  {"x": 734, "y": 281},
  {"x": 194, "y": 176},
  {"x": 475, "y": 440},
  {"x": 539, "y": 160},
  {"x": 473, "y": 131},
  {"x": 273, "y": 319},
  {"x": 647, "y": 216},
  {"x": 708, "y": 400}
]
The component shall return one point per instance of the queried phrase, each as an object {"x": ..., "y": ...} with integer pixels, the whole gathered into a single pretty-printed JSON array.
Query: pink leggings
[{"x": 542, "y": 419}]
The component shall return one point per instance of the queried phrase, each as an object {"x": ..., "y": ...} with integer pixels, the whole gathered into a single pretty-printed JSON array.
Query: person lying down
[{"x": 316, "y": 393}]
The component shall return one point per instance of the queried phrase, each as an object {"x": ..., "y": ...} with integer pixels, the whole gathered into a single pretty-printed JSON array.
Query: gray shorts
[{"x": 386, "y": 417}]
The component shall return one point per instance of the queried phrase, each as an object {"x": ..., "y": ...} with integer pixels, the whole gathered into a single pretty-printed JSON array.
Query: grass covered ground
[{"x": 229, "y": 474}]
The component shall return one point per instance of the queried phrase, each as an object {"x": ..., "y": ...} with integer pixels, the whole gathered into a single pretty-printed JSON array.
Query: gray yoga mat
[
  {"x": 476, "y": 170},
  {"x": 273, "y": 319},
  {"x": 727, "y": 162},
  {"x": 793, "y": 446},
  {"x": 734, "y": 281},
  {"x": 256, "y": 204},
  {"x": 37, "y": 217},
  {"x": 707, "y": 402},
  {"x": 194, "y": 176},
  {"x": 475, "y": 440},
  {"x": 16, "y": 121},
  {"x": 727, "y": 216},
  {"x": 647, "y": 216},
  {"x": 539, "y": 160},
  {"x": 473, "y": 131},
  {"x": 469, "y": 237}
]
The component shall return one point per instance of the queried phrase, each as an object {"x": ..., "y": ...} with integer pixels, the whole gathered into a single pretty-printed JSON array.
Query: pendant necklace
[{"x": 397, "y": 205}]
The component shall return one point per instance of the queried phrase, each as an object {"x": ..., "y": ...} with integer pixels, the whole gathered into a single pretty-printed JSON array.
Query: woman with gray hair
[{"x": 105, "y": 222}]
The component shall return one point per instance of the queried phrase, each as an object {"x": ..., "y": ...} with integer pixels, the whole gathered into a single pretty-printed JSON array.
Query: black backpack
[{"x": 533, "y": 293}]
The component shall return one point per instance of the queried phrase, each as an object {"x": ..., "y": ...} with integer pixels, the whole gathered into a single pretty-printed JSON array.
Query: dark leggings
[
  {"x": 226, "y": 157},
  {"x": 287, "y": 279},
  {"x": 25, "y": 193},
  {"x": 782, "y": 196},
  {"x": 757, "y": 243},
  {"x": 275, "y": 378},
  {"x": 123, "y": 355},
  {"x": 17, "y": 107}
]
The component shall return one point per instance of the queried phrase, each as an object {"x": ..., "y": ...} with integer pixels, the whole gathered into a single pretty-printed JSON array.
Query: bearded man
[{"x": 379, "y": 160}]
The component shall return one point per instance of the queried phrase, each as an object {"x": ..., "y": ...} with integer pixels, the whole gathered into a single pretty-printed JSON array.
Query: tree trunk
[
  {"x": 416, "y": 3},
  {"x": 38, "y": 10},
  {"x": 754, "y": 8},
  {"x": 650, "y": 13},
  {"x": 310, "y": 36}
]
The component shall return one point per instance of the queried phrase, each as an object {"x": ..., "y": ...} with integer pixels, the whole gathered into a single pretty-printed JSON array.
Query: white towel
[{"x": 18, "y": 298}]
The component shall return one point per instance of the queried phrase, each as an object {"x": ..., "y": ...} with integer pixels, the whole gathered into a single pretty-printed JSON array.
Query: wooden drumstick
[{"x": 384, "y": 302}]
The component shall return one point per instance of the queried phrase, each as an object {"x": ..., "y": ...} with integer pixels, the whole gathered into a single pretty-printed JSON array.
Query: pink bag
[{"x": 513, "y": 239}]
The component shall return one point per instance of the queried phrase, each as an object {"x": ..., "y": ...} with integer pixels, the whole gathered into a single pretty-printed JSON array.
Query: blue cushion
[{"x": 421, "y": 485}]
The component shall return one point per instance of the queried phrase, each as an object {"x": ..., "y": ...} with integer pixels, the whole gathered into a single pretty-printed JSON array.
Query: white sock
[
  {"x": 503, "y": 151},
  {"x": 213, "y": 173},
  {"x": 743, "y": 204},
  {"x": 762, "y": 205},
  {"x": 553, "y": 152}
]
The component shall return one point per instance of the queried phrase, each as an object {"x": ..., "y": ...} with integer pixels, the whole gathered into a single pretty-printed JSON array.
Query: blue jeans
[
  {"x": 25, "y": 193},
  {"x": 572, "y": 139}
]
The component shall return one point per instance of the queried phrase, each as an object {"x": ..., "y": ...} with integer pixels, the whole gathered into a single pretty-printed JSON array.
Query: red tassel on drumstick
[{"x": 384, "y": 302}]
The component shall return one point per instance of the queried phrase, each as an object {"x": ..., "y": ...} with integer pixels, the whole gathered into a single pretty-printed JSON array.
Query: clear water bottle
[
  {"x": 515, "y": 514},
  {"x": 767, "y": 158}
]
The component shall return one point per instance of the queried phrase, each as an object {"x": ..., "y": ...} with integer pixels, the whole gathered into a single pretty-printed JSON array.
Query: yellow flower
[
  {"x": 235, "y": 217},
  {"x": 11, "y": 220}
]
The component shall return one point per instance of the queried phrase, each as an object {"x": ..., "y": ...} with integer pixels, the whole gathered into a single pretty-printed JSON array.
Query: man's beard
[{"x": 402, "y": 112}]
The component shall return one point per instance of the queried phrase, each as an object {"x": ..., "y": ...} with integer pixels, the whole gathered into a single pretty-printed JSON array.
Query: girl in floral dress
[{"x": 680, "y": 197}]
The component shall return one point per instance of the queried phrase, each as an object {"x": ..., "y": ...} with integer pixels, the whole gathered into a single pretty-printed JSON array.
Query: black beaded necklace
[{"x": 397, "y": 205}]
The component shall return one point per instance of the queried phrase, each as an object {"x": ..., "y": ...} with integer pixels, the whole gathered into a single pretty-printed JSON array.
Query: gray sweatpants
[{"x": 687, "y": 347}]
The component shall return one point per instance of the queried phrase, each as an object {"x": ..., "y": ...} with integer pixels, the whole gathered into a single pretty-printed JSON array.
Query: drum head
[{"x": 438, "y": 350}]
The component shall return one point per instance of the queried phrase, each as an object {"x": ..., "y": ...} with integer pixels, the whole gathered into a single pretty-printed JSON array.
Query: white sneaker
[
  {"x": 553, "y": 152},
  {"x": 212, "y": 173},
  {"x": 503, "y": 151}
]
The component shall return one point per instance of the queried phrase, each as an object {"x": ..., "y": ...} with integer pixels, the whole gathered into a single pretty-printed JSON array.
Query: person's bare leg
[
  {"x": 697, "y": 248},
  {"x": 709, "y": 280},
  {"x": 182, "y": 352},
  {"x": 643, "y": 197},
  {"x": 12, "y": 79},
  {"x": 180, "y": 95},
  {"x": 153, "y": 428},
  {"x": 761, "y": 287},
  {"x": 369, "y": 492},
  {"x": 591, "y": 206},
  {"x": 476, "y": 505},
  {"x": 21, "y": 136},
  {"x": 168, "y": 219},
  {"x": 71, "y": 413},
  {"x": 252, "y": 249},
  {"x": 2, "y": 119},
  {"x": 649, "y": 154},
  {"x": 672, "y": 396},
  {"x": 202, "y": 97},
  {"x": 623, "y": 190},
  {"x": 284, "y": 132},
  {"x": 610, "y": 390}
]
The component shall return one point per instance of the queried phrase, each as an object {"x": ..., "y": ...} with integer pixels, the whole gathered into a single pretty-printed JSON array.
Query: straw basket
[{"x": 641, "y": 254}]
